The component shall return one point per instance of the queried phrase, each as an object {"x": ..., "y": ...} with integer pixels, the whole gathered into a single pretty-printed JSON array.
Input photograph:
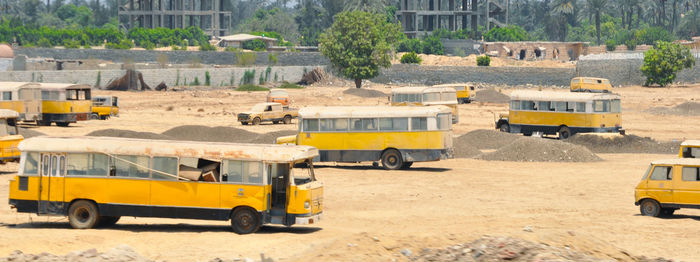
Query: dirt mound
[
  {"x": 211, "y": 134},
  {"x": 128, "y": 134},
  {"x": 464, "y": 148},
  {"x": 624, "y": 144},
  {"x": 269, "y": 138},
  {"x": 366, "y": 93},
  {"x": 530, "y": 149},
  {"x": 685, "y": 109},
  {"x": 122, "y": 253},
  {"x": 491, "y": 96},
  {"x": 491, "y": 248},
  {"x": 486, "y": 139},
  {"x": 27, "y": 133}
]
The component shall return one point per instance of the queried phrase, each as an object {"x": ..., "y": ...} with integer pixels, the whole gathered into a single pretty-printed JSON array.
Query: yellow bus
[
  {"x": 426, "y": 96},
  {"x": 396, "y": 136},
  {"x": 22, "y": 97},
  {"x": 64, "y": 103},
  {"x": 690, "y": 149},
  {"x": 9, "y": 136},
  {"x": 465, "y": 92},
  {"x": 104, "y": 107},
  {"x": 562, "y": 113},
  {"x": 95, "y": 180},
  {"x": 591, "y": 84}
]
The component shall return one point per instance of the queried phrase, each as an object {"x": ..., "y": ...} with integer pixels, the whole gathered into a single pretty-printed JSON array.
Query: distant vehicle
[
  {"x": 690, "y": 149},
  {"x": 104, "y": 107},
  {"x": 96, "y": 180},
  {"x": 22, "y": 97},
  {"x": 591, "y": 84},
  {"x": 397, "y": 136},
  {"x": 465, "y": 92},
  {"x": 263, "y": 112},
  {"x": 669, "y": 185},
  {"x": 64, "y": 103},
  {"x": 9, "y": 136},
  {"x": 278, "y": 96},
  {"x": 562, "y": 113},
  {"x": 426, "y": 96}
]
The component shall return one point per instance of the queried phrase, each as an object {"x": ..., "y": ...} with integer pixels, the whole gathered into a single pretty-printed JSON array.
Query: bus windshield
[{"x": 303, "y": 173}]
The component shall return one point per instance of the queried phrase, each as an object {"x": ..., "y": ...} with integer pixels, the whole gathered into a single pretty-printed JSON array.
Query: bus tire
[
  {"x": 406, "y": 165},
  {"x": 287, "y": 119},
  {"x": 83, "y": 214},
  {"x": 108, "y": 221},
  {"x": 256, "y": 121},
  {"x": 505, "y": 127},
  {"x": 245, "y": 221},
  {"x": 62, "y": 124},
  {"x": 391, "y": 159},
  {"x": 94, "y": 116},
  {"x": 650, "y": 207},
  {"x": 564, "y": 132}
]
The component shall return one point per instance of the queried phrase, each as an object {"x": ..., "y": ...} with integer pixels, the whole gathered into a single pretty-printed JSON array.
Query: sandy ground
[{"x": 372, "y": 214}]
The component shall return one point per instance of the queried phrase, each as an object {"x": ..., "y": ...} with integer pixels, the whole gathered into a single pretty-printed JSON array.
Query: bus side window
[
  {"x": 528, "y": 105},
  {"x": 7, "y": 96},
  {"x": 310, "y": 125},
  {"x": 544, "y": 106},
  {"x": 662, "y": 173},
  {"x": 691, "y": 173},
  {"x": 581, "y": 107},
  {"x": 560, "y": 106},
  {"x": 131, "y": 166},
  {"x": 515, "y": 105},
  {"x": 570, "y": 106},
  {"x": 419, "y": 123},
  {"x": 164, "y": 168}
]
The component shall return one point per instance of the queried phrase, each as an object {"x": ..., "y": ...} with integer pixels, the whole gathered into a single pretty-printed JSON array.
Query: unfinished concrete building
[
  {"x": 205, "y": 14},
  {"x": 421, "y": 17}
]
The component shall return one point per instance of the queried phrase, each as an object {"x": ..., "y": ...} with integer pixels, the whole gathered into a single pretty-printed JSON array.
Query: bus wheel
[
  {"x": 391, "y": 159},
  {"x": 106, "y": 221},
  {"x": 83, "y": 214},
  {"x": 256, "y": 121},
  {"x": 287, "y": 119},
  {"x": 564, "y": 132},
  {"x": 406, "y": 165},
  {"x": 245, "y": 221},
  {"x": 63, "y": 124},
  {"x": 94, "y": 116},
  {"x": 504, "y": 128},
  {"x": 650, "y": 207}
]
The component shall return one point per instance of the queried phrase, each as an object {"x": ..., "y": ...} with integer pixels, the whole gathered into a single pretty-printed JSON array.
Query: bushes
[
  {"x": 631, "y": 44},
  {"x": 410, "y": 45},
  {"x": 483, "y": 61},
  {"x": 206, "y": 46},
  {"x": 69, "y": 43},
  {"x": 255, "y": 45},
  {"x": 433, "y": 46},
  {"x": 511, "y": 33},
  {"x": 610, "y": 45},
  {"x": 272, "y": 59},
  {"x": 411, "y": 58},
  {"x": 248, "y": 77},
  {"x": 43, "y": 42},
  {"x": 251, "y": 87},
  {"x": 661, "y": 63},
  {"x": 123, "y": 44},
  {"x": 290, "y": 85}
]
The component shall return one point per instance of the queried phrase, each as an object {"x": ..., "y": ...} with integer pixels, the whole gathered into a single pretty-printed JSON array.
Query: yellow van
[
  {"x": 690, "y": 149},
  {"x": 669, "y": 185},
  {"x": 104, "y": 107},
  {"x": 591, "y": 84},
  {"x": 9, "y": 136},
  {"x": 465, "y": 92}
]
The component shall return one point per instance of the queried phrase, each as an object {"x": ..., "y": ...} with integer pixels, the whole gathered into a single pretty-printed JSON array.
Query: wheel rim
[
  {"x": 245, "y": 221},
  {"x": 82, "y": 214},
  {"x": 649, "y": 208}
]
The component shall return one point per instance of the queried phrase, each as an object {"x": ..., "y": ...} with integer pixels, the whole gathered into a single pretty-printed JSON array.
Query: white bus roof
[
  {"x": 453, "y": 85},
  {"x": 691, "y": 143},
  {"x": 173, "y": 148},
  {"x": 678, "y": 161},
  {"x": 63, "y": 86},
  {"x": 6, "y": 113},
  {"x": 372, "y": 111},
  {"x": 560, "y": 96},
  {"x": 12, "y": 86},
  {"x": 421, "y": 89}
]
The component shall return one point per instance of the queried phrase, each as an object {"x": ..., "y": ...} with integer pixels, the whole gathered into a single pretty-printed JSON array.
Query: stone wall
[
  {"x": 468, "y": 47},
  {"x": 431, "y": 75},
  {"x": 173, "y": 57},
  {"x": 625, "y": 68}
]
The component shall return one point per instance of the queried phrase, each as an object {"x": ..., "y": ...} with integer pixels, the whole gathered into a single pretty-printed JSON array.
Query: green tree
[
  {"x": 511, "y": 33},
  {"x": 596, "y": 7},
  {"x": 359, "y": 43},
  {"x": 661, "y": 63}
]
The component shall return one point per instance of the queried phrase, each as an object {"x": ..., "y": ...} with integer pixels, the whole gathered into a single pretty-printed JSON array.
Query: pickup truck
[{"x": 268, "y": 112}]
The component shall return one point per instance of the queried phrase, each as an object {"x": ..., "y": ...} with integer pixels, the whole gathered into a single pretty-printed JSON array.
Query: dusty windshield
[{"x": 303, "y": 173}]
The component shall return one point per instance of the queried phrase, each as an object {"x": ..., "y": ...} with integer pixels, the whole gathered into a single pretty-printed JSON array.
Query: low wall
[
  {"x": 625, "y": 68},
  {"x": 152, "y": 77},
  {"x": 431, "y": 75}
]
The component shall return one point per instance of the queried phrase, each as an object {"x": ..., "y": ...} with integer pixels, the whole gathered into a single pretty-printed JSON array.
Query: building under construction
[
  {"x": 205, "y": 14},
  {"x": 421, "y": 17}
]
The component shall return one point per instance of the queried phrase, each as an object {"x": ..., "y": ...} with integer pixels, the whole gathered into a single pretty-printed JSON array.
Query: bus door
[
  {"x": 278, "y": 175},
  {"x": 32, "y": 103},
  {"x": 51, "y": 197}
]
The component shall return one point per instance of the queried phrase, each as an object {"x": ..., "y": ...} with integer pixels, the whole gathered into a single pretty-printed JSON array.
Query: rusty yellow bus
[
  {"x": 64, "y": 103},
  {"x": 9, "y": 136},
  {"x": 426, "y": 96},
  {"x": 23, "y": 98}
]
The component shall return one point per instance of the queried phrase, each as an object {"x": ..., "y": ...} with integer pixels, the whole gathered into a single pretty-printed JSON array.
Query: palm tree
[
  {"x": 596, "y": 7},
  {"x": 372, "y": 6},
  {"x": 560, "y": 12}
]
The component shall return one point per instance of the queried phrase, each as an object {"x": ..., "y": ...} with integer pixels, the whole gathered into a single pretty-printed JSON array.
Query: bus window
[
  {"x": 72, "y": 95},
  {"x": 615, "y": 106},
  {"x": 690, "y": 173},
  {"x": 87, "y": 164},
  {"x": 7, "y": 96},
  {"x": 49, "y": 95},
  {"x": 448, "y": 96},
  {"x": 31, "y": 164},
  {"x": 560, "y": 106},
  {"x": 662, "y": 173},
  {"x": 515, "y": 105},
  {"x": 310, "y": 125},
  {"x": 527, "y": 105},
  {"x": 242, "y": 172},
  {"x": 339, "y": 124},
  {"x": 130, "y": 166},
  {"x": 691, "y": 152},
  {"x": 84, "y": 94},
  {"x": 544, "y": 106},
  {"x": 419, "y": 123},
  {"x": 601, "y": 106},
  {"x": 581, "y": 107},
  {"x": 363, "y": 124},
  {"x": 393, "y": 124},
  {"x": 164, "y": 168},
  {"x": 431, "y": 97},
  {"x": 443, "y": 121}
]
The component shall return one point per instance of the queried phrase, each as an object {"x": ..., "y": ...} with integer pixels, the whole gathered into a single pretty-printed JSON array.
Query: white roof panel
[
  {"x": 678, "y": 161},
  {"x": 372, "y": 111},
  {"x": 560, "y": 96}
]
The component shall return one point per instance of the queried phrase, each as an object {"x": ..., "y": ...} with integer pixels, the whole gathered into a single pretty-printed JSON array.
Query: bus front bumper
[{"x": 308, "y": 220}]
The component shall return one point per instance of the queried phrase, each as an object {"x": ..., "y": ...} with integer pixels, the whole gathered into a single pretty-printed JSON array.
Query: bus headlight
[{"x": 307, "y": 205}]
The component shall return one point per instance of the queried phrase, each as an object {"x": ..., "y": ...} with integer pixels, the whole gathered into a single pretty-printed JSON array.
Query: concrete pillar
[{"x": 475, "y": 16}]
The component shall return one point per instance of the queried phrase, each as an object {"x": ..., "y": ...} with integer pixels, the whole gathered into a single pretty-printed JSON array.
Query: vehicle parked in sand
[
  {"x": 9, "y": 136},
  {"x": 278, "y": 96},
  {"x": 591, "y": 85},
  {"x": 465, "y": 92},
  {"x": 104, "y": 107},
  {"x": 263, "y": 112},
  {"x": 690, "y": 149},
  {"x": 669, "y": 185}
]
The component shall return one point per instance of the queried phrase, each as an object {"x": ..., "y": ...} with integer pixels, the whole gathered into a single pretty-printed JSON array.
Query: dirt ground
[{"x": 376, "y": 215}]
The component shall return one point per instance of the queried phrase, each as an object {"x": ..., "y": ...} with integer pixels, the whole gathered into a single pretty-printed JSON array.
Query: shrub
[
  {"x": 248, "y": 77},
  {"x": 410, "y": 58},
  {"x": 272, "y": 59},
  {"x": 207, "y": 78},
  {"x": 43, "y": 42},
  {"x": 631, "y": 44},
  {"x": 123, "y": 44},
  {"x": 148, "y": 45},
  {"x": 195, "y": 82},
  {"x": 661, "y": 63},
  {"x": 268, "y": 70},
  {"x": 410, "y": 45},
  {"x": 246, "y": 58},
  {"x": 433, "y": 45},
  {"x": 483, "y": 61},
  {"x": 261, "y": 80},
  {"x": 70, "y": 43},
  {"x": 232, "y": 49},
  {"x": 255, "y": 45},
  {"x": 651, "y": 35},
  {"x": 290, "y": 85},
  {"x": 206, "y": 46},
  {"x": 610, "y": 45},
  {"x": 251, "y": 87}
]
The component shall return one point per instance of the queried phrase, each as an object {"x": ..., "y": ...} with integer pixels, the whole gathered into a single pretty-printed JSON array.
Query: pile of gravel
[
  {"x": 122, "y": 253},
  {"x": 200, "y": 133},
  {"x": 464, "y": 149},
  {"x": 684, "y": 109},
  {"x": 27, "y": 133},
  {"x": 491, "y": 96},
  {"x": 365, "y": 93},
  {"x": 269, "y": 138},
  {"x": 128, "y": 134},
  {"x": 530, "y": 149},
  {"x": 624, "y": 144},
  {"x": 486, "y": 139}
]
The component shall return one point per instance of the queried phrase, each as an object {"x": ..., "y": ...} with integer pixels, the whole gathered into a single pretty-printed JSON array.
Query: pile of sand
[
  {"x": 684, "y": 109},
  {"x": 530, "y": 149},
  {"x": 364, "y": 93},
  {"x": 624, "y": 144},
  {"x": 27, "y": 133},
  {"x": 491, "y": 96},
  {"x": 486, "y": 139},
  {"x": 200, "y": 133}
]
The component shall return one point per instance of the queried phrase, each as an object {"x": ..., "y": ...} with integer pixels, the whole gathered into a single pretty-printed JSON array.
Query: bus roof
[
  {"x": 11, "y": 86},
  {"x": 63, "y": 86},
  {"x": 372, "y": 111},
  {"x": 173, "y": 148},
  {"x": 585, "y": 77},
  {"x": 421, "y": 89},
  {"x": 6, "y": 113},
  {"x": 678, "y": 161},
  {"x": 691, "y": 143},
  {"x": 453, "y": 85},
  {"x": 560, "y": 96}
]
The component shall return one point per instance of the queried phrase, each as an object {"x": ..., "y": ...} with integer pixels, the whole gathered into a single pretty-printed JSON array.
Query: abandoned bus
[
  {"x": 561, "y": 113},
  {"x": 9, "y": 136},
  {"x": 398, "y": 136},
  {"x": 23, "y": 98},
  {"x": 64, "y": 103},
  {"x": 591, "y": 84},
  {"x": 95, "y": 180},
  {"x": 426, "y": 96},
  {"x": 104, "y": 107},
  {"x": 690, "y": 149},
  {"x": 465, "y": 92}
]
